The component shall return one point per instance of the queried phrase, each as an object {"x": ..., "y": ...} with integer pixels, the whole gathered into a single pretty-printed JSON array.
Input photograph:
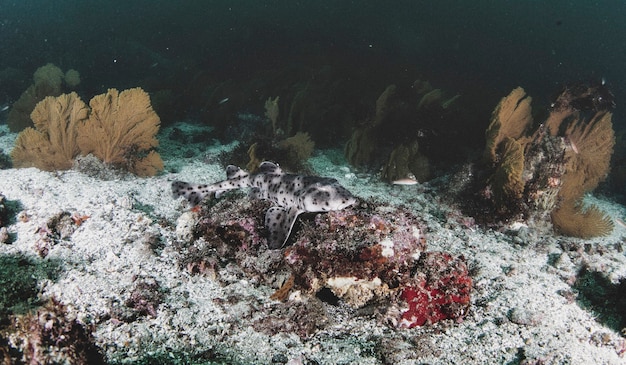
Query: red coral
[{"x": 441, "y": 290}]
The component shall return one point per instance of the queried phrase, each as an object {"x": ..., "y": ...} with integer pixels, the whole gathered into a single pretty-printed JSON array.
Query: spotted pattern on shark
[{"x": 291, "y": 195}]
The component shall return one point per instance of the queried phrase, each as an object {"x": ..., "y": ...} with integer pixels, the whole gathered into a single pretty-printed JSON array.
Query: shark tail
[{"x": 193, "y": 193}]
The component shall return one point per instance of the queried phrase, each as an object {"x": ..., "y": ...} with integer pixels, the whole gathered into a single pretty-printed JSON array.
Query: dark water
[
  {"x": 480, "y": 49},
  {"x": 498, "y": 44}
]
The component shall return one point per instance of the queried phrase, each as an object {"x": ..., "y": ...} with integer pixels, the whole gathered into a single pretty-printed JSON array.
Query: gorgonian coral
[
  {"x": 546, "y": 171},
  {"x": 119, "y": 129}
]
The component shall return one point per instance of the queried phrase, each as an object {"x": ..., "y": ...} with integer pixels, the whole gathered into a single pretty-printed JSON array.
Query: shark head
[{"x": 325, "y": 195}]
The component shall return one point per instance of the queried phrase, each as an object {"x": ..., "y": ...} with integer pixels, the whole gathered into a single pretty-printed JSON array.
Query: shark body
[{"x": 291, "y": 194}]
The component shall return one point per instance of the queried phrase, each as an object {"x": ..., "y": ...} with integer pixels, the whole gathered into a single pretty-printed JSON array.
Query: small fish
[
  {"x": 291, "y": 194},
  {"x": 4, "y": 107},
  {"x": 223, "y": 101},
  {"x": 620, "y": 222},
  {"x": 409, "y": 180}
]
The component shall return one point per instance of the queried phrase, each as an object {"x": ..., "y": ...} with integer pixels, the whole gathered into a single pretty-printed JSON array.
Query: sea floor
[{"x": 526, "y": 305}]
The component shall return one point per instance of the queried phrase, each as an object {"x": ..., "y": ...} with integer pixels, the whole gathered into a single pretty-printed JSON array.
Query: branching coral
[
  {"x": 51, "y": 145},
  {"x": 272, "y": 112},
  {"x": 406, "y": 161},
  {"x": 591, "y": 149},
  {"x": 508, "y": 176},
  {"x": 293, "y": 152},
  {"x": 121, "y": 131},
  {"x": 361, "y": 147},
  {"x": 300, "y": 146},
  {"x": 572, "y": 219}
]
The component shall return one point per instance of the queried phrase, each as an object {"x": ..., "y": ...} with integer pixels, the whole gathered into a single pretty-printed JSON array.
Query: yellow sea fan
[
  {"x": 594, "y": 143},
  {"x": 511, "y": 118},
  {"x": 571, "y": 219},
  {"x": 299, "y": 144},
  {"x": 121, "y": 130},
  {"x": 507, "y": 180},
  {"x": 52, "y": 144}
]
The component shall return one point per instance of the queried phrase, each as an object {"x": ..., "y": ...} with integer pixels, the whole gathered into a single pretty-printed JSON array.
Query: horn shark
[{"x": 291, "y": 194}]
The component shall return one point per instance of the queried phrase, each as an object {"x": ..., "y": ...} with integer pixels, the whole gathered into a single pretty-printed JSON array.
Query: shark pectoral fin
[
  {"x": 219, "y": 193},
  {"x": 279, "y": 222},
  {"x": 275, "y": 223}
]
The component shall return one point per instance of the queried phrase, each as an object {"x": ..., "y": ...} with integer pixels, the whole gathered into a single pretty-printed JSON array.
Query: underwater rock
[
  {"x": 370, "y": 255},
  {"x": 48, "y": 335},
  {"x": 60, "y": 227},
  {"x": 377, "y": 257},
  {"x": 300, "y": 317},
  {"x": 145, "y": 296}
]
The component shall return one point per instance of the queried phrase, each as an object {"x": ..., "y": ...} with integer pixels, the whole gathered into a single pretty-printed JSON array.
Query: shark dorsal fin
[
  {"x": 233, "y": 172},
  {"x": 267, "y": 167}
]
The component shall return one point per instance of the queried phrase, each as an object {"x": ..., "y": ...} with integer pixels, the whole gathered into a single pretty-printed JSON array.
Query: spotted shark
[{"x": 291, "y": 194}]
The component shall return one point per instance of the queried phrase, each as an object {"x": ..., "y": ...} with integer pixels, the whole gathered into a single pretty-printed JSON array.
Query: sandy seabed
[{"x": 523, "y": 311}]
